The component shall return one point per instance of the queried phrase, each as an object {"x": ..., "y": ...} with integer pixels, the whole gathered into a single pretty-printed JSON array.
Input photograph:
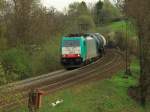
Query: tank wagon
[
  {"x": 80, "y": 49},
  {"x": 100, "y": 41}
]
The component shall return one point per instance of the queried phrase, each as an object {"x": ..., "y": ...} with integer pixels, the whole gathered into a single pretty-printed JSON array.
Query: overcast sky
[{"x": 61, "y": 4}]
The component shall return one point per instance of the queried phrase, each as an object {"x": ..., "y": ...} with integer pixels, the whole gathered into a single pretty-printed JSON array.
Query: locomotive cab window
[{"x": 71, "y": 43}]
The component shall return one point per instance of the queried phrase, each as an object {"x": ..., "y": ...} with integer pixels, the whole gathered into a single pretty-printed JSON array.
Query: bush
[
  {"x": 3, "y": 79},
  {"x": 87, "y": 22},
  {"x": 121, "y": 42},
  {"x": 47, "y": 58},
  {"x": 3, "y": 43},
  {"x": 16, "y": 64}
]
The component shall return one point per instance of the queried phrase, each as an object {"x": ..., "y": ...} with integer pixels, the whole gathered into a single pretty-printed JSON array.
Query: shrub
[
  {"x": 3, "y": 79},
  {"x": 122, "y": 43},
  {"x": 47, "y": 59},
  {"x": 120, "y": 40},
  {"x": 16, "y": 64}
]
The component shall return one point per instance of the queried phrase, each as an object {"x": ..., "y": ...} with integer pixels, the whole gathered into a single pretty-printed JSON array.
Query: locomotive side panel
[{"x": 91, "y": 48}]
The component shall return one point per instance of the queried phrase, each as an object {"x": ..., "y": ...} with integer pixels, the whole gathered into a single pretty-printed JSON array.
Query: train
[{"x": 81, "y": 49}]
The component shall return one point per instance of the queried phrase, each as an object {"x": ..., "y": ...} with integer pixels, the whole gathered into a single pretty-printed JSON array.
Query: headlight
[{"x": 63, "y": 55}]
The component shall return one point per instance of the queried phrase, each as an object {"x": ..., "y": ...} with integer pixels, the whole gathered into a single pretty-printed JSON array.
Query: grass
[{"x": 108, "y": 95}]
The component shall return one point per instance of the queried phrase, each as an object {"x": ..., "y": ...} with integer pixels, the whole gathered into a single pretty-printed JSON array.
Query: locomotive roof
[{"x": 77, "y": 35}]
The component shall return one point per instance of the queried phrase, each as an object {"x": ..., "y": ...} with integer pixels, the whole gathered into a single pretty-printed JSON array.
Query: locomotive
[{"x": 80, "y": 49}]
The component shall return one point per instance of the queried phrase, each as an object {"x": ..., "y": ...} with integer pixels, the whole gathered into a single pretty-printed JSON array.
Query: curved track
[{"x": 103, "y": 68}]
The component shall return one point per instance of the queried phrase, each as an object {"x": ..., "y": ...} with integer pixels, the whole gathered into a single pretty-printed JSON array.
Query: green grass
[
  {"x": 108, "y": 95},
  {"x": 104, "y": 96},
  {"x": 135, "y": 68}
]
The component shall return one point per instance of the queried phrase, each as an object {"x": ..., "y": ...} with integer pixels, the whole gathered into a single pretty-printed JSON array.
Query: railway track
[{"x": 111, "y": 62}]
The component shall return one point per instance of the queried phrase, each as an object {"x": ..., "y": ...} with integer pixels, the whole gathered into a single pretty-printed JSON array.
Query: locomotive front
[{"x": 71, "y": 51}]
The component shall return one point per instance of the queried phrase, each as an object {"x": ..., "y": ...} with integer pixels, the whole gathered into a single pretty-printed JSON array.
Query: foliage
[
  {"x": 79, "y": 15},
  {"x": 124, "y": 42},
  {"x": 120, "y": 40},
  {"x": 98, "y": 12},
  {"x": 3, "y": 43},
  {"x": 88, "y": 21},
  {"x": 18, "y": 64},
  {"x": 109, "y": 12},
  {"x": 15, "y": 64},
  {"x": 116, "y": 33},
  {"x": 47, "y": 58},
  {"x": 105, "y": 12},
  {"x": 124, "y": 26},
  {"x": 25, "y": 28},
  {"x": 3, "y": 79}
]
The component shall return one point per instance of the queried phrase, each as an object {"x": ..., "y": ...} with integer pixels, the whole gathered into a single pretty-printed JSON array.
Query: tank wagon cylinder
[{"x": 102, "y": 40}]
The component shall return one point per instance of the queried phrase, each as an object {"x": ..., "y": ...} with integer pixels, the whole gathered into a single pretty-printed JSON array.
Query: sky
[{"x": 61, "y": 4}]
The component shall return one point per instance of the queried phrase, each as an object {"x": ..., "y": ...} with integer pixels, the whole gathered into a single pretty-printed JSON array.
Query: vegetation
[
  {"x": 30, "y": 34},
  {"x": 94, "y": 97},
  {"x": 30, "y": 37},
  {"x": 105, "y": 12},
  {"x": 116, "y": 34},
  {"x": 141, "y": 16}
]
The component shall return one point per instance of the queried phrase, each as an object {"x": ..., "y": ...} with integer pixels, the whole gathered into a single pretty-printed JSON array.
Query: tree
[
  {"x": 98, "y": 12},
  {"x": 3, "y": 40},
  {"x": 109, "y": 12},
  {"x": 119, "y": 4},
  {"x": 80, "y": 18},
  {"x": 85, "y": 23},
  {"x": 139, "y": 10},
  {"x": 21, "y": 21}
]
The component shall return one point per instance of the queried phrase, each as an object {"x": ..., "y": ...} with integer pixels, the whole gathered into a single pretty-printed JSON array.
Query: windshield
[{"x": 71, "y": 43}]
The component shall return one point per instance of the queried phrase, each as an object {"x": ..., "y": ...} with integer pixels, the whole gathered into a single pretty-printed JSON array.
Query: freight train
[{"x": 80, "y": 49}]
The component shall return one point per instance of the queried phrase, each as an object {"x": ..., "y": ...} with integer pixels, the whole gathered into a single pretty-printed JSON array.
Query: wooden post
[{"x": 35, "y": 100}]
